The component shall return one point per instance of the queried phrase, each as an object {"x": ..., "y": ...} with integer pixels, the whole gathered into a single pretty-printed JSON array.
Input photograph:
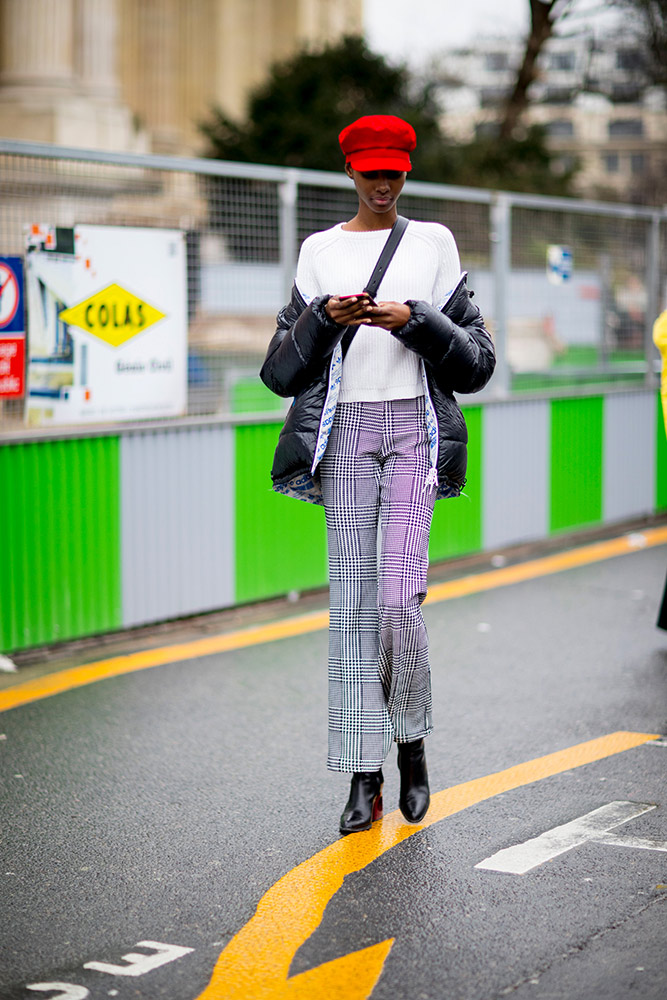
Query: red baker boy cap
[{"x": 378, "y": 142}]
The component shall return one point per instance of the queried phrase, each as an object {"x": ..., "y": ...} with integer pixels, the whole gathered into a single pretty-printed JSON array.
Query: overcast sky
[{"x": 414, "y": 30}]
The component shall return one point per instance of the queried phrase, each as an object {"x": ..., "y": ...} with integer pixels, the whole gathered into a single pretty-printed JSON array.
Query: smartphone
[{"x": 359, "y": 295}]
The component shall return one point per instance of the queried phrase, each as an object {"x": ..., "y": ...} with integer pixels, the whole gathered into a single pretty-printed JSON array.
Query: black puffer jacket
[{"x": 457, "y": 353}]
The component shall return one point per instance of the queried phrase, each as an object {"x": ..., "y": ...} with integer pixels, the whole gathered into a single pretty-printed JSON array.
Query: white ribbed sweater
[{"x": 338, "y": 261}]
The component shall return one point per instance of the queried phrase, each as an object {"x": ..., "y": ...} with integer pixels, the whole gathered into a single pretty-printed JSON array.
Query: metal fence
[{"x": 554, "y": 330}]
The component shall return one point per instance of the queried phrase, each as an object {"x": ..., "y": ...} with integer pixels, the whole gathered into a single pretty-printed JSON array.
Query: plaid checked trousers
[{"x": 373, "y": 473}]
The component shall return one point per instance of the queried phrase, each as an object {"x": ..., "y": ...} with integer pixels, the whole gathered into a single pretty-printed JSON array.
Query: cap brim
[{"x": 380, "y": 159}]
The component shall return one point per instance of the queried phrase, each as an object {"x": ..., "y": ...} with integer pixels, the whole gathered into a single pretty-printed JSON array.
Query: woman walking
[{"x": 376, "y": 435}]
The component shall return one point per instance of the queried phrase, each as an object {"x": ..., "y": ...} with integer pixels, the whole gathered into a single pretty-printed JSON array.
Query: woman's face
[{"x": 377, "y": 189}]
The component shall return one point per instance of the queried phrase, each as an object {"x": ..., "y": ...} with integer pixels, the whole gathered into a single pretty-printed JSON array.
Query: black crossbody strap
[{"x": 388, "y": 251}]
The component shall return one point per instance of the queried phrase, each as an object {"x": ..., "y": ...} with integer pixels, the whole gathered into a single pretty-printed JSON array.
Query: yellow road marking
[
  {"x": 66, "y": 680},
  {"x": 257, "y": 960},
  {"x": 556, "y": 563}
]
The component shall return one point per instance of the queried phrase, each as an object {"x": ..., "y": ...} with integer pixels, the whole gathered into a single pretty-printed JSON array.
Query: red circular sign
[{"x": 9, "y": 295}]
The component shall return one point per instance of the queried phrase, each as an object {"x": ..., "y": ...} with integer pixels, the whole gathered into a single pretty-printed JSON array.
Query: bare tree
[
  {"x": 646, "y": 25},
  {"x": 544, "y": 14}
]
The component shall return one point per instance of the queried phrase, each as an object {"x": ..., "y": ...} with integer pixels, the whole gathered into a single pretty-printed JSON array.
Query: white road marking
[
  {"x": 642, "y": 843},
  {"x": 139, "y": 965},
  {"x": 593, "y": 826},
  {"x": 67, "y": 990}
]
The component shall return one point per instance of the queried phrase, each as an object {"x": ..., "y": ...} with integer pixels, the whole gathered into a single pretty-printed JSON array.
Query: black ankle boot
[
  {"x": 364, "y": 805},
  {"x": 414, "y": 797}
]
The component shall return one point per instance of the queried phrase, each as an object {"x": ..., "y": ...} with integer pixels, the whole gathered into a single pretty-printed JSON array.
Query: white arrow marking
[
  {"x": 594, "y": 826},
  {"x": 139, "y": 965}
]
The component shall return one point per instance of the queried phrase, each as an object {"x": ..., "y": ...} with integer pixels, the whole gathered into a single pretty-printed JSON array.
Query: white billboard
[{"x": 107, "y": 324}]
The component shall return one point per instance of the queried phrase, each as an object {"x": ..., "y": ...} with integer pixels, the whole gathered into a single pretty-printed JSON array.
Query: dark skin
[{"x": 378, "y": 193}]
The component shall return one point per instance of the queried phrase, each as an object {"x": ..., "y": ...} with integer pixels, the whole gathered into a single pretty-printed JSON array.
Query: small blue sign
[
  {"x": 559, "y": 264},
  {"x": 12, "y": 313}
]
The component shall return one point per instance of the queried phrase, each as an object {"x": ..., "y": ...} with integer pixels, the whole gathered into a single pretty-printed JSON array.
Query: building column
[
  {"x": 151, "y": 69},
  {"x": 162, "y": 54},
  {"x": 232, "y": 67},
  {"x": 36, "y": 49},
  {"x": 58, "y": 80},
  {"x": 96, "y": 38}
]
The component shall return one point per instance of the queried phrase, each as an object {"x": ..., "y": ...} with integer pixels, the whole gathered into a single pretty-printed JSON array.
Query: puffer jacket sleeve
[
  {"x": 301, "y": 346},
  {"x": 453, "y": 342}
]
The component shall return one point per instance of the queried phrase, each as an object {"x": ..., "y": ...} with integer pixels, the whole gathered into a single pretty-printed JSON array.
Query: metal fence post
[
  {"x": 652, "y": 295},
  {"x": 501, "y": 236},
  {"x": 287, "y": 192}
]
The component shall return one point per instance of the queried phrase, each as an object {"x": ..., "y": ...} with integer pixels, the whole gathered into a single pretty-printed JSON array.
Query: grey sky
[{"x": 414, "y": 30}]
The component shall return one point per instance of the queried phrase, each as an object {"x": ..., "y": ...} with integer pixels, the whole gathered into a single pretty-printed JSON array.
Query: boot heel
[{"x": 364, "y": 805}]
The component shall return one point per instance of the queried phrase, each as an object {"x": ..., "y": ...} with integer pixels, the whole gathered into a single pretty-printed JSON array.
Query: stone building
[
  {"x": 590, "y": 98},
  {"x": 139, "y": 75}
]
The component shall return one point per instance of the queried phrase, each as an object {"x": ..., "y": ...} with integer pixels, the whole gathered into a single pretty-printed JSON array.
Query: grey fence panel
[
  {"x": 516, "y": 472},
  {"x": 629, "y": 471},
  {"x": 177, "y": 515}
]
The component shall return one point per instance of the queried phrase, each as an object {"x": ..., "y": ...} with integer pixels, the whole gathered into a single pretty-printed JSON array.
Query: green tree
[{"x": 294, "y": 118}]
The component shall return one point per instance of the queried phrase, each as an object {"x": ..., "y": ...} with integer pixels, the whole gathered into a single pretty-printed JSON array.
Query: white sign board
[{"x": 107, "y": 324}]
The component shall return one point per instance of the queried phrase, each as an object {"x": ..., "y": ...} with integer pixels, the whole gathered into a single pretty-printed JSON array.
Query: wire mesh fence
[
  {"x": 591, "y": 325},
  {"x": 569, "y": 289}
]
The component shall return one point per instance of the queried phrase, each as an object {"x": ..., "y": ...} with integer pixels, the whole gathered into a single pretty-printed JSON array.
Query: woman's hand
[
  {"x": 356, "y": 310},
  {"x": 350, "y": 310},
  {"x": 389, "y": 315}
]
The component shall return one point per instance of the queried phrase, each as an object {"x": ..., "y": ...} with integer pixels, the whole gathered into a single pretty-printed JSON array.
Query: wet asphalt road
[{"x": 160, "y": 807}]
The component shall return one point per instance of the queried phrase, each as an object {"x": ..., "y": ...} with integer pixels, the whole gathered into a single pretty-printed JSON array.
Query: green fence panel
[
  {"x": 577, "y": 454},
  {"x": 457, "y": 524},
  {"x": 250, "y": 395},
  {"x": 280, "y": 542},
  {"x": 660, "y": 460},
  {"x": 60, "y": 573}
]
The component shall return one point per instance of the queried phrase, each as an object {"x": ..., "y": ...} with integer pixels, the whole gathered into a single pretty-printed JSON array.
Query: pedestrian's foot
[
  {"x": 364, "y": 805},
  {"x": 414, "y": 796}
]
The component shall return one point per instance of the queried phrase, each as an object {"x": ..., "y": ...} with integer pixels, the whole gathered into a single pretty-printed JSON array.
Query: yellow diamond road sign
[{"x": 112, "y": 314}]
